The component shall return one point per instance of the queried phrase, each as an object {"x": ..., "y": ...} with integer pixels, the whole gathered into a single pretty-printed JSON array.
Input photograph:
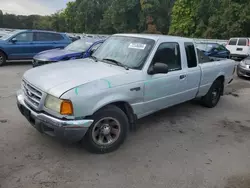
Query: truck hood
[
  {"x": 57, "y": 78},
  {"x": 56, "y": 54}
]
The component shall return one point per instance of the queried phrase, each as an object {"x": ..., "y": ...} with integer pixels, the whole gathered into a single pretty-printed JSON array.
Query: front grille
[{"x": 33, "y": 95}]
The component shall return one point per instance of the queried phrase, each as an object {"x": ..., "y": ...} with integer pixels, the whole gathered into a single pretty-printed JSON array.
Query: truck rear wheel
[
  {"x": 212, "y": 98},
  {"x": 2, "y": 58},
  {"x": 108, "y": 131}
]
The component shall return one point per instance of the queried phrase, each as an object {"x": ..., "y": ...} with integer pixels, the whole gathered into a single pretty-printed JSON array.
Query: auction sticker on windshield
[{"x": 137, "y": 46}]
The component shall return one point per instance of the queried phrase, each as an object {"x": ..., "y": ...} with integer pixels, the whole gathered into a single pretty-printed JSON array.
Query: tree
[
  {"x": 1, "y": 18},
  {"x": 124, "y": 20},
  {"x": 184, "y": 17}
]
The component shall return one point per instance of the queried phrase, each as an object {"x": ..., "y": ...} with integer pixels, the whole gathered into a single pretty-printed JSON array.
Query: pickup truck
[{"x": 97, "y": 100}]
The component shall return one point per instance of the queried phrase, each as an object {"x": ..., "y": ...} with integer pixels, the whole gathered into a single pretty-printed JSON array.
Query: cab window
[{"x": 168, "y": 53}]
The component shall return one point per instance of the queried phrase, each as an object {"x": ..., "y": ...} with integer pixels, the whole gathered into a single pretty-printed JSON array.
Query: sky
[{"x": 27, "y": 7}]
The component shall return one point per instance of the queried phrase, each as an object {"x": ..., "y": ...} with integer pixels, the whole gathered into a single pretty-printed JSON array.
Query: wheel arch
[
  {"x": 126, "y": 108},
  {"x": 222, "y": 79},
  {"x": 6, "y": 56}
]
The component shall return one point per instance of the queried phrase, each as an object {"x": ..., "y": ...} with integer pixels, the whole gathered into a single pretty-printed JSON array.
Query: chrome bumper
[
  {"x": 243, "y": 71},
  {"x": 72, "y": 130}
]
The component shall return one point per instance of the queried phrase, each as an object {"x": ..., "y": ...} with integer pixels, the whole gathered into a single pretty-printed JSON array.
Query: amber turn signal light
[{"x": 66, "y": 108}]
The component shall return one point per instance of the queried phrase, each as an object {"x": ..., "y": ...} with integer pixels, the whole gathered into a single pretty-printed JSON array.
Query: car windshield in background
[
  {"x": 129, "y": 51},
  {"x": 206, "y": 46},
  {"x": 9, "y": 34},
  {"x": 79, "y": 46}
]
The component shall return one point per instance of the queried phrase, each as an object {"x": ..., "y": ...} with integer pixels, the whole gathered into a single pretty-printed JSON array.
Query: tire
[
  {"x": 238, "y": 74},
  {"x": 109, "y": 119},
  {"x": 212, "y": 98},
  {"x": 2, "y": 58}
]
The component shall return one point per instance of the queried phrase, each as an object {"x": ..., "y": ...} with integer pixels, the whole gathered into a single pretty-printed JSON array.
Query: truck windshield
[
  {"x": 129, "y": 51},
  {"x": 79, "y": 45}
]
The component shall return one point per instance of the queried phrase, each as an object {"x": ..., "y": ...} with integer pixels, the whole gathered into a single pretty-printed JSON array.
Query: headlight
[
  {"x": 243, "y": 64},
  {"x": 63, "y": 107}
]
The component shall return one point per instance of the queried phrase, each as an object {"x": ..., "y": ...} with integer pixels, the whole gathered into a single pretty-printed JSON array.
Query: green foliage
[
  {"x": 192, "y": 18},
  {"x": 211, "y": 18}
]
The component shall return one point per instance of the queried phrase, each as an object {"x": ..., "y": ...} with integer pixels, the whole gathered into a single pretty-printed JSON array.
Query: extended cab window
[
  {"x": 24, "y": 37},
  {"x": 190, "y": 53},
  {"x": 40, "y": 36},
  {"x": 168, "y": 53}
]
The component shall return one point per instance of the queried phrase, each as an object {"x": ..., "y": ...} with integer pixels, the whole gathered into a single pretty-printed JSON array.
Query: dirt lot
[{"x": 185, "y": 146}]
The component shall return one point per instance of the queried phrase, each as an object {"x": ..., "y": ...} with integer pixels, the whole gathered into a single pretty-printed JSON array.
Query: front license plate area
[
  {"x": 26, "y": 113},
  {"x": 239, "y": 49}
]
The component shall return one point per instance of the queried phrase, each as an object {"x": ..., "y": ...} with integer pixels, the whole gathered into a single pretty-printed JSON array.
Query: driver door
[
  {"x": 22, "y": 47},
  {"x": 164, "y": 90}
]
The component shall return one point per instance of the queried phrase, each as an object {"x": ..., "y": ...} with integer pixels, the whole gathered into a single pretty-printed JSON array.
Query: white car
[{"x": 239, "y": 47}]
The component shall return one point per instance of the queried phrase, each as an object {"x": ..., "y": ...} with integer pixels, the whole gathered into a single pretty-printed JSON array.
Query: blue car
[
  {"x": 24, "y": 44},
  {"x": 81, "y": 48},
  {"x": 214, "y": 50}
]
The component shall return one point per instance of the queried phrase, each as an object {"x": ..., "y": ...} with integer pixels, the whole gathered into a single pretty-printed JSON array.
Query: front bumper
[
  {"x": 238, "y": 56},
  {"x": 69, "y": 130},
  {"x": 243, "y": 71}
]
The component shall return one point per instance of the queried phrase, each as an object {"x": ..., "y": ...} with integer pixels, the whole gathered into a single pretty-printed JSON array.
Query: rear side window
[
  {"x": 190, "y": 53},
  {"x": 169, "y": 53},
  {"x": 202, "y": 57},
  {"x": 242, "y": 42},
  {"x": 40, "y": 36},
  {"x": 233, "y": 42}
]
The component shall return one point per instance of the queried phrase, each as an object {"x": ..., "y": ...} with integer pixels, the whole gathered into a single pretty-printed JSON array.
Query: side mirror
[
  {"x": 14, "y": 40},
  {"x": 158, "y": 68}
]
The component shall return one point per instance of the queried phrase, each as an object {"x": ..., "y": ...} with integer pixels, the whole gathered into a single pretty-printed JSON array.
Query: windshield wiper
[
  {"x": 117, "y": 63},
  {"x": 94, "y": 58}
]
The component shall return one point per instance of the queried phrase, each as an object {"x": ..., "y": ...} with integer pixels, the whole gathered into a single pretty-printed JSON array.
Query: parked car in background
[
  {"x": 97, "y": 100},
  {"x": 214, "y": 50},
  {"x": 24, "y": 44},
  {"x": 73, "y": 37},
  {"x": 79, "y": 49},
  {"x": 243, "y": 68},
  {"x": 239, "y": 47}
]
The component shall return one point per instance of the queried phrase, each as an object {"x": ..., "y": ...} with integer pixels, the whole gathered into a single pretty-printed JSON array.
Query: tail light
[{"x": 248, "y": 42}]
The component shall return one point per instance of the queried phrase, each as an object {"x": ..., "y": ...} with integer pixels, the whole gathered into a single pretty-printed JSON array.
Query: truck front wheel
[
  {"x": 212, "y": 98},
  {"x": 108, "y": 131}
]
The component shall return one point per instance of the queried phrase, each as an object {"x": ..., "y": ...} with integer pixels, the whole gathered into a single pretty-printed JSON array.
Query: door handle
[{"x": 182, "y": 76}]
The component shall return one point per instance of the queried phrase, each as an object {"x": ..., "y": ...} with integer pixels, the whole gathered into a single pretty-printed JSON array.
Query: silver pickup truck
[{"x": 98, "y": 100}]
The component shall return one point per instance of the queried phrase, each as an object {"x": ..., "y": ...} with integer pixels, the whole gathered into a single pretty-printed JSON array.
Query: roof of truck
[{"x": 157, "y": 37}]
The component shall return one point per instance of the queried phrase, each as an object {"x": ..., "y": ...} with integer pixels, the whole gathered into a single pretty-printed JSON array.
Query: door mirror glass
[
  {"x": 14, "y": 40},
  {"x": 158, "y": 68}
]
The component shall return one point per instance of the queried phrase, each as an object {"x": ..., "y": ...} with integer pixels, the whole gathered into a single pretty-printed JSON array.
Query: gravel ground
[{"x": 185, "y": 146}]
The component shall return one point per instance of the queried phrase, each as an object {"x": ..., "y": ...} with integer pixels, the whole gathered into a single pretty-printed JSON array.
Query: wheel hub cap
[{"x": 106, "y": 129}]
